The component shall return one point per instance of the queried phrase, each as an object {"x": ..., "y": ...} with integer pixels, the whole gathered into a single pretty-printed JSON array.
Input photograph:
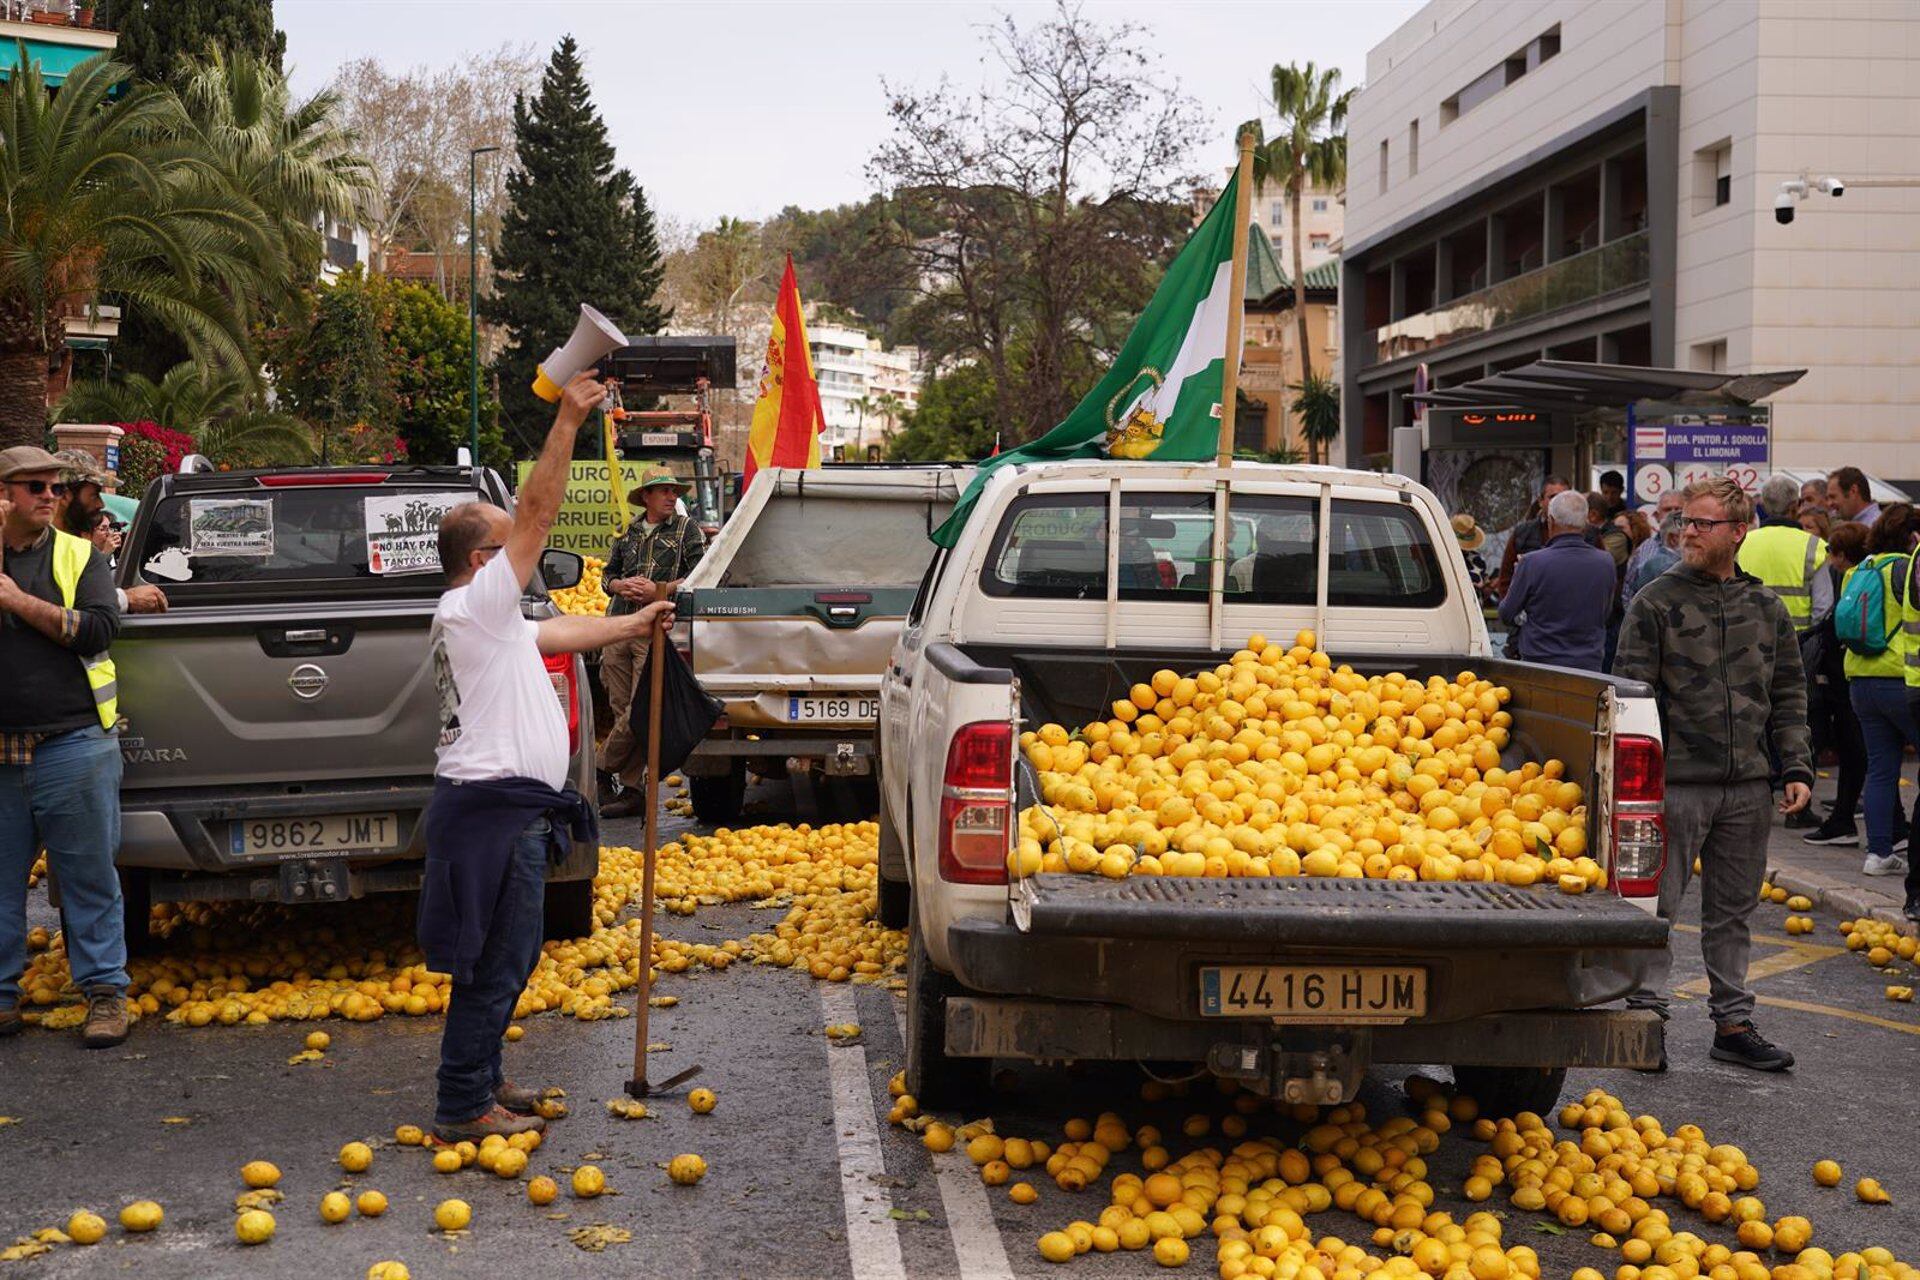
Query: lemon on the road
[
  {"x": 142, "y": 1215},
  {"x": 255, "y": 1226},
  {"x": 335, "y": 1208},
  {"x": 260, "y": 1174},
  {"x": 86, "y": 1227},
  {"x": 452, "y": 1215}
]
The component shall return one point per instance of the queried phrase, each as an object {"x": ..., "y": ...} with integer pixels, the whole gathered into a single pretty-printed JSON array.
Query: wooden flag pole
[
  {"x": 1230, "y": 382},
  {"x": 1237, "y": 282},
  {"x": 656, "y": 669}
]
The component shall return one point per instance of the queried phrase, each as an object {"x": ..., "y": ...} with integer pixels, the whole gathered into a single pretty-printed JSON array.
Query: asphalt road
[{"x": 806, "y": 1177}]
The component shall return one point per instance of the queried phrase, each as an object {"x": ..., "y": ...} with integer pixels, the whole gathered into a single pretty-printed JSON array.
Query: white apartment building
[
  {"x": 1596, "y": 180},
  {"x": 865, "y": 390},
  {"x": 1322, "y": 214}
]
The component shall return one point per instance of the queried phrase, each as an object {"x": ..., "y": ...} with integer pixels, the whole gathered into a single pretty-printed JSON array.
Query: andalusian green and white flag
[{"x": 1161, "y": 398}]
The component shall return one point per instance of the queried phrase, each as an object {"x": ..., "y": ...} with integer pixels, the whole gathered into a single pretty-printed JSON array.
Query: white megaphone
[{"x": 593, "y": 337}]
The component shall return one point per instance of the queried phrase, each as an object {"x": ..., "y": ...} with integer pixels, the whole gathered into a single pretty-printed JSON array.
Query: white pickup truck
[{"x": 1036, "y": 616}]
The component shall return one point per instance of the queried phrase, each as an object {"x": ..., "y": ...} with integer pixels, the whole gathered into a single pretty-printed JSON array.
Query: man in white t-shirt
[{"x": 499, "y": 806}]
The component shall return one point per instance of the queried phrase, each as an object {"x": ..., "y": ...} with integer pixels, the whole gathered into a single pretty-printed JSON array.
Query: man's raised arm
[{"x": 538, "y": 503}]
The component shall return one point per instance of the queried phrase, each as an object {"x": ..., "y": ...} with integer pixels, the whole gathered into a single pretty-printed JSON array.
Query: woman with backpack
[{"x": 1866, "y": 620}]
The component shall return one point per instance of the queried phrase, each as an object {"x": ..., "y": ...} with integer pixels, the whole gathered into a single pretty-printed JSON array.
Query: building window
[
  {"x": 1709, "y": 357},
  {"x": 1713, "y": 176},
  {"x": 1277, "y": 214},
  {"x": 1383, "y": 165},
  {"x": 1413, "y": 147},
  {"x": 1319, "y": 206},
  {"x": 1492, "y": 81},
  {"x": 1319, "y": 240}
]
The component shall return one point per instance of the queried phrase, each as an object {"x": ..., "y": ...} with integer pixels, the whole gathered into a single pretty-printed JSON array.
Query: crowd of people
[{"x": 1843, "y": 567}]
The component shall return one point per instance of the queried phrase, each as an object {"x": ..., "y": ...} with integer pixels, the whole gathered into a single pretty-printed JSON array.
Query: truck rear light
[
  {"x": 976, "y": 804},
  {"x": 1639, "y": 821},
  {"x": 560, "y": 670}
]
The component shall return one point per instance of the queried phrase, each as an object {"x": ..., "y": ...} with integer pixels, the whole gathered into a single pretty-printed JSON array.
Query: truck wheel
[
  {"x": 934, "y": 1079},
  {"x": 569, "y": 909},
  {"x": 136, "y": 901},
  {"x": 895, "y": 891},
  {"x": 1507, "y": 1091},
  {"x": 718, "y": 800}
]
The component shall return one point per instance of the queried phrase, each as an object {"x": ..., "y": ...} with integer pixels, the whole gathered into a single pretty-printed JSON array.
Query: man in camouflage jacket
[
  {"x": 1723, "y": 658},
  {"x": 646, "y": 563}
]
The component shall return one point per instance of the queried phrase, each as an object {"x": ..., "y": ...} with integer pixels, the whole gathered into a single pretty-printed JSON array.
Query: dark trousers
[
  {"x": 479, "y": 1010},
  {"x": 1837, "y": 729},
  {"x": 1887, "y": 723}
]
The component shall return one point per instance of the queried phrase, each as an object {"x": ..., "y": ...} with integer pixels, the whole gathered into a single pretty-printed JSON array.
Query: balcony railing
[
  {"x": 57, "y": 13},
  {"x": 1619, "y": 264}
]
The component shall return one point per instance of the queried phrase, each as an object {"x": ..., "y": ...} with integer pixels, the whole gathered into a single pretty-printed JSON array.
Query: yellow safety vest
[
  {"x": 1785, "y": 559},
  {"x": 1890, "y": 663},
  {"x": 1910, "y": 623},
  {"x": 70, "y": 557}
]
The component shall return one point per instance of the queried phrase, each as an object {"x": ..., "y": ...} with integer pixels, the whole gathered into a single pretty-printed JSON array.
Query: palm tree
[
  {"x": 1317, "y": 400},
  {"x": 218, "y": 409},
  {"x": 103, "y": 196},
  {"x": 291, "y": 159},
  {"x": 1310, "y": 149}
]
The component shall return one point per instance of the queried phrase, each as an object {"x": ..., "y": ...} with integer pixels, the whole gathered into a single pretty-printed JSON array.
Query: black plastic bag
[{"x": 687, "y": 711}]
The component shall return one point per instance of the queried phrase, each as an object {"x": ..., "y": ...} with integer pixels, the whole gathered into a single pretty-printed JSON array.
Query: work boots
[{"x": 106, "y": 1024}]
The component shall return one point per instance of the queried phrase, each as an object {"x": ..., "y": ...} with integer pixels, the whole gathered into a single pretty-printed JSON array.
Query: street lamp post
[{"x": 473, "y": 300}]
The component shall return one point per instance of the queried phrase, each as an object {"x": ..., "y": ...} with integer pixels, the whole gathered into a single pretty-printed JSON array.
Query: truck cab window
[{"x": 1381, "y": 557}]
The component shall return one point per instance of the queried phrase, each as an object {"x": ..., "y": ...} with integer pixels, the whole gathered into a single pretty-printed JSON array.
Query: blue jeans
[
  {"x": 1886, "y": 721},
  {"x": 68, "y": 802},
  {"x": 478, "y": 1011}
]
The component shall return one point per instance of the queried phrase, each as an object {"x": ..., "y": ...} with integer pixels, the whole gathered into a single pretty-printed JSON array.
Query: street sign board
[{"x": 1677, "y": 449}]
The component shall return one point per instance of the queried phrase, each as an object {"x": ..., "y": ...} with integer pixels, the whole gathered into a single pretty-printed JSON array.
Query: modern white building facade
[
  {"x": 1596, "y": 180},
  {"x": 865, "y": 390}
]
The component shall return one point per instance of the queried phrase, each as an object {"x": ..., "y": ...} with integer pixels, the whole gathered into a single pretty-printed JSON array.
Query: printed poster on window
[
  {"x": 230, "y": 527},
  {"x": 403, "y": 531}
]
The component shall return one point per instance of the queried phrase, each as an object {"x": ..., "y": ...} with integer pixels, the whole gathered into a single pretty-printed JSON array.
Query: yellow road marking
[
  {"x": 1794, "y": 955},
  {"x": 1803, "y": 1006}
]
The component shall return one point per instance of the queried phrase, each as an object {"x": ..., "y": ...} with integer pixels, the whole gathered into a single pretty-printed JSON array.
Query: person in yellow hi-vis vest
[
  {"x": 1876, "y": 683},
  {"x": 1791, "y": 562},
  {"x": 59, "y": 749}
]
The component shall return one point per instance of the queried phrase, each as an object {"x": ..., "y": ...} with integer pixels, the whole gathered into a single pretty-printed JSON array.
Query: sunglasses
[{"x": 38, "y": 487}]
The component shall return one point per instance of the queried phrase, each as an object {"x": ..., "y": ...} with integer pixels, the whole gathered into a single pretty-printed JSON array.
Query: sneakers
[
  {"x": 1893, "y": 864},
  {"x": 517, "y": 1098},
  {"x": 496, "y": 1119},
  {"x": 1746, "y": 1047},
  {"x": 1833, "y": 831},
  {"x": 11, "y": 1024},
  {"x": 1911, "y": 911},
  {"x": 1802, "y": 820},
  {"x": 106, "y": 1024}
]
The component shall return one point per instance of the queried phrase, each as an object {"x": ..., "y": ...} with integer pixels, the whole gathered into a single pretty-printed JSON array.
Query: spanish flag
[{"x": 786, "y": 418}]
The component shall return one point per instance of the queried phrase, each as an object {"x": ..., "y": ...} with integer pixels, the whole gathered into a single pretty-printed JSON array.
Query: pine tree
[
  {"x": 576, "y": 230},
  {"x": 156, "y": 35}
]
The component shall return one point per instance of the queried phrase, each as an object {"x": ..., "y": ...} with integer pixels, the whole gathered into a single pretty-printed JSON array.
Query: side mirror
[{"x": 561, "y": 569}]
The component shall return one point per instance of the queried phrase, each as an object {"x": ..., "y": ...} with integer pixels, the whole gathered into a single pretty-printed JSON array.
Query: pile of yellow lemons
[
  {"x": 233, "y": 964},
  {"x": 1255, "y": 1194},
  {"x": 1279, "y": 763},
  {"x": 1883, "y": 946},
  {"x": 587, "y": 596}
]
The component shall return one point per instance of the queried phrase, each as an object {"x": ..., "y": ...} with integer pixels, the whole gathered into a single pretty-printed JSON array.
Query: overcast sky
[{"x": 743, "y": 106}]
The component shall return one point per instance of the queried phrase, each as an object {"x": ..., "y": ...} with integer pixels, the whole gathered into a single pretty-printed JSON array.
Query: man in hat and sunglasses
[
  {"x": 59, "y": 749},
  {"x": 644, "y": 565},
  {"x": 79, "y": 514}
]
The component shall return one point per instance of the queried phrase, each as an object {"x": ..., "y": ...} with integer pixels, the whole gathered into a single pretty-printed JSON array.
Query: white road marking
[
  {"x": 873, "y": 1237},
  {"x": 976, "y": 1237}
]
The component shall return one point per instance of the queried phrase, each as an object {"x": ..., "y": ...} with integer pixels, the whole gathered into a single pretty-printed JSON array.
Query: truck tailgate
[
  {"x": 257, "y": 695},
  {"x": 1332, "y": 914},
  {"x": 756, "y": 647}
]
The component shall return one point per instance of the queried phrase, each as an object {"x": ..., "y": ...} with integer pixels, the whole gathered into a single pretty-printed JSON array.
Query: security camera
[
  {"x": 1783, "y": 209},
  {"x": 1831, "y": 186}
]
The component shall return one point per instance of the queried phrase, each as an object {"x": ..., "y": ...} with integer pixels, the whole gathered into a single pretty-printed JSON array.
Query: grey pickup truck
[{"x": 281, "y": 715}]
